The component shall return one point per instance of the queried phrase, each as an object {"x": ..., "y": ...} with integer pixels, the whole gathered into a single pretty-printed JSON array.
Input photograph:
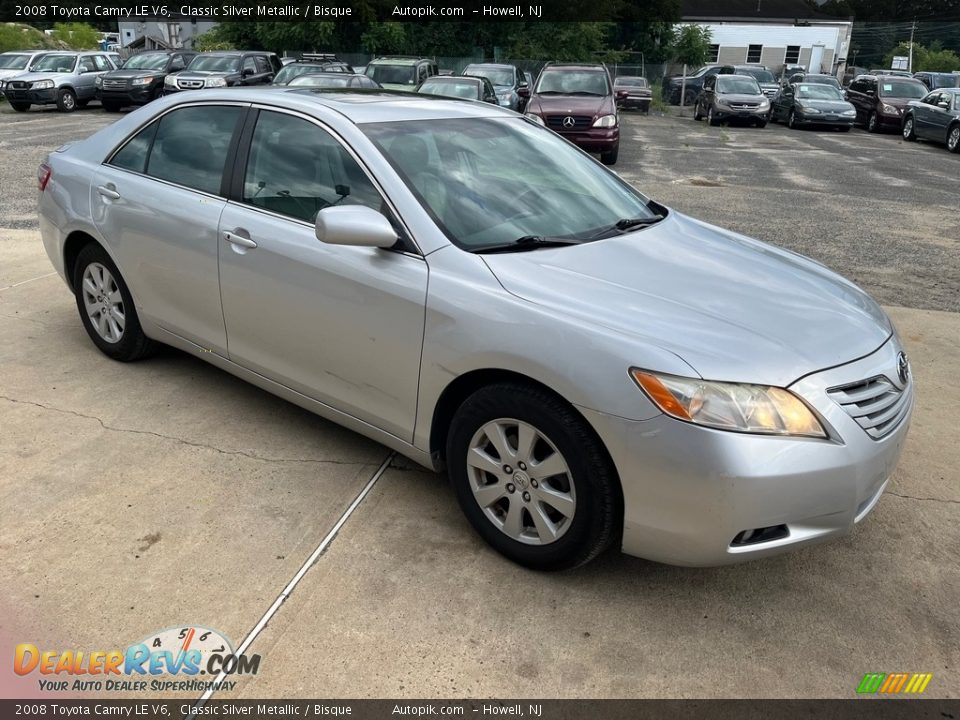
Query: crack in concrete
[
  {"x": 182, "y": 441},
  {"x": 914, "y": 497}
]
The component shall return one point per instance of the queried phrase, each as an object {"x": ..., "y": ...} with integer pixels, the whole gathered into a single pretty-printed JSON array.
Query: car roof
[
  {"x": 574, "y": 66},
  {"x": 496, "y": 66},
  {"x": 454, "y": 78},
  {"x": 396, "y": 61}
]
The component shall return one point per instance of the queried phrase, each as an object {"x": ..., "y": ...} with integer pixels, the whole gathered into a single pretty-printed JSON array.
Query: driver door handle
[
  {"x": 239, "y": 237},
  {"x": 108, "y": 192}
]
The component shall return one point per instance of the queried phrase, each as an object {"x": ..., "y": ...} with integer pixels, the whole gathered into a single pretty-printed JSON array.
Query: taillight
[{"x": 44, "y": 172}]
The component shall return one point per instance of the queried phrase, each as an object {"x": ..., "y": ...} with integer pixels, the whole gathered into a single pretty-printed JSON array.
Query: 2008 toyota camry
[{"x": 467, "y": 288}]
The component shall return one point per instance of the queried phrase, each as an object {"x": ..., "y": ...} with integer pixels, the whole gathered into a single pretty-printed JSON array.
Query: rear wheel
[
  {"x": 20, "y": 107},
  {"x": 953, "y": 139},
  {"x": 106, "y": 307},
  {"x": 873, "y": 123},
  {"x": 909, "y": 132},
  {"x": 66, "y": 100},
  {"x": 610, "y": 158},
  {"x": 532, "y": 478}
]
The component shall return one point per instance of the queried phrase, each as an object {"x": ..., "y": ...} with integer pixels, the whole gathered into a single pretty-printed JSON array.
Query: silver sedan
[{"x": 591, "y": 368}]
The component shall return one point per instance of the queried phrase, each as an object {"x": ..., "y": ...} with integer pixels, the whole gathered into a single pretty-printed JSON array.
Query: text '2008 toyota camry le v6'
[{"x": 471, "y": 290}]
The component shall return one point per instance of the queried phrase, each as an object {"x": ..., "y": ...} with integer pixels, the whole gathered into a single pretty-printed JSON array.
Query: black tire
[
  {"x": 111, "y": 107},
  {"x": 597, "y": 518},
  {"x": 909, "y": 130},
  {"x": 20, "y": 107},
  {"x": 697, "y": 115},
  {"x": 761, "y": 123},
  {"x": 610, "y": 158},
  {"x": 66, "y": 100},
  {"x": 711, "y": 120},
  {"x": 844, "y": 128},
  {"x": 953, "y": 138},
  {"x": 873, "y": 123},
  {"x": 133, "y": 344},
  {"x": 792, "y": 120}
]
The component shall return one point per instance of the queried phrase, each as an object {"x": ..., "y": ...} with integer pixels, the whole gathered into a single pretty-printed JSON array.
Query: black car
[
  {"x": 673, "y": 86},
  {"x": 936, "y": 117},
  {"x": 764, "y": 77},
  {"x": 813, "y": 103},
  {"x": 141, "y": 78},
  {"x": 816, "y": 78},
  {"x": 225, "y": 69},
  {"x": 312, "y": 63},
  {"x": 938, "y": 80}
]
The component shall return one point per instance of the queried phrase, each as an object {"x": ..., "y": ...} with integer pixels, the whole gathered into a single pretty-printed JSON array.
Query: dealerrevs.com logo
[{"x": 175, "y": 659}]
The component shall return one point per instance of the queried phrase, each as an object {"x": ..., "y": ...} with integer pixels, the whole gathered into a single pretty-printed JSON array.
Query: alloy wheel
[
  {"x": 953, "y": 141},
  {"x": 103, "y": 302},
  {"x": 521, "y": 482},
  {"x": 908, "y": 129}
]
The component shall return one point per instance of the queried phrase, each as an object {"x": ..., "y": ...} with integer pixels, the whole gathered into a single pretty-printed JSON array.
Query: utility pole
[{"x": 912, "y": 30}]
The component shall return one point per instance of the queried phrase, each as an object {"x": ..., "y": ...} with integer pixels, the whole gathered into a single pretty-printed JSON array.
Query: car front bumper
[
  {"x": 891, "y": 122},
  {"x": 596, "y": 140},
  {"x": 725, "y": 114},
  {"x": 640, "y": 102},
  {"x": 825, "y": 119},
  {"x": 137, "y": 95},
  {"x": 34, "y": 97},
  {"x": 690, "y": 491}
]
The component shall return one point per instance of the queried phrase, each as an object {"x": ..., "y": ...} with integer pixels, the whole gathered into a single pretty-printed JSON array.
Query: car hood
[
  {"x": 571, "y": 104},
  {"x": 895, "y": 101},
  {"x": 7, "y": 73},
  {"x": 740, "y": 98},
  {"x": 34, "y": 76},
  {"x": 131, "y": 74},
  {"x": 200, "y": 74},
  {"x": 836, "y": 106},
  {"x": 733, "y": 308}
]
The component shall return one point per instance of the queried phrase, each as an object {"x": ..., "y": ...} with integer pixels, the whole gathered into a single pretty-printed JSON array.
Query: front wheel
[
  {"x": 792, "y": 120},
  {"x": 873, "y": 123},
  {"x": 106, "y": 307},
  {"x": 697, "y": 115},
  {"x": 66, "y": 100},
  {"x": 532, "y": 478},
  {"x": 953, "y": 139},
  {"x": 761, "y": 123},
  {"x": 610, "y": 158},
  {"x": 909, "y": 132},
  {"x": 711, "y": 120}
]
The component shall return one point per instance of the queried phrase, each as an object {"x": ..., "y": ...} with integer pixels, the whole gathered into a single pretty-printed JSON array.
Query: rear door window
[{"x": 190, "y": 146}]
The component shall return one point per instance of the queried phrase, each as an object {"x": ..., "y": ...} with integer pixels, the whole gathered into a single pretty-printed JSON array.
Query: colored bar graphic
[{"x": 894, "y": 683}]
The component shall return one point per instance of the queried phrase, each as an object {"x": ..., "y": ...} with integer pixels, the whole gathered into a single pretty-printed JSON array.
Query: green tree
[
  {"x": 384, "y": 38},
  {"x": 691, "y": 47},
  {"x": 925, "y": 59},
  {"x": 77, "y": 36}
]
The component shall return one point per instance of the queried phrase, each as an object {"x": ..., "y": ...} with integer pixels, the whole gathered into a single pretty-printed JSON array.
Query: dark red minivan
[{"x": 578, "y": 102}]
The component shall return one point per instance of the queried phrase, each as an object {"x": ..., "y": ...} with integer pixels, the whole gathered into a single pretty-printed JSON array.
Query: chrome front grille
[
  {"x": 744, "y": 105},
  {"x": 563, "y": 122},
  {"x": 114, "y": 84},
  {"x": 190, "y": 84},
  {"x": 877, "y": 405},
  {"x": 19, "y": 85}
]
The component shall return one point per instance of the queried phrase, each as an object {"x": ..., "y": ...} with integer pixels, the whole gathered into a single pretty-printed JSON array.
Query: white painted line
[
  {"x": 248, "y": 640},
  {"x": 24, "y": 282}
]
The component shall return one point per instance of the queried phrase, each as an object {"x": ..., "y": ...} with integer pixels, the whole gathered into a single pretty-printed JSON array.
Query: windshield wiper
[
  {"x": 625, "y": 224},
  {"x": 527, "y": 242}
]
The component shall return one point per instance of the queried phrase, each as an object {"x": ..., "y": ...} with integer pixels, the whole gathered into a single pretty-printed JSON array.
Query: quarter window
[
  {"x": 753, "y": 53},
  {"x": 133, "y": 155},
  {"x": 296, "y": 169},
  {"x": 190, "y": 146},
  {"x": 249, "y": 64}
]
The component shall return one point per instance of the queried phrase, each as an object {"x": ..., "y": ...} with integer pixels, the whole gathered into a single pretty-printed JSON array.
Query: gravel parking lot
[{"x": 163, "y": 493}]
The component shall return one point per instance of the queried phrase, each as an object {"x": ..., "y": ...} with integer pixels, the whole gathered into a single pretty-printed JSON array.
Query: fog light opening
[{"x": 760, "y": 535}]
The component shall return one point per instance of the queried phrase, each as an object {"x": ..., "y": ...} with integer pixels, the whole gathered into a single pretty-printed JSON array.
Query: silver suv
[
  {"x": 66, "y": 79},
  {"x": 17, "y": 62}
]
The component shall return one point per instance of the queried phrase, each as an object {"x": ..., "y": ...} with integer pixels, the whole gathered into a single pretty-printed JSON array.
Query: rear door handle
[
  {"x": 108, "y": 192},
  {"x": 239, "y": 237}
]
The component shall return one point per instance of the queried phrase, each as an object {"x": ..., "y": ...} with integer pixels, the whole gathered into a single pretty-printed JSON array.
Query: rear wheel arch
[{"x": 75, "y": 242}]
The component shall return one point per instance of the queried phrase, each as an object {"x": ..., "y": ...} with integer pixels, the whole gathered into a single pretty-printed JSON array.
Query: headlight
[
  {"x": 170, "y": 81},
  {"x": 99, "y": 81},
  {"x": 889, "y": 109},
  {"x": 536, "y": 118},
  {"x": 143, "y": 81},
  {"x": 215, "y": 82},
  {"x": 605, "y": 121},
  {"x": 849, "y": 113},
  {"x": 764, "y": 104},
  {"x": 42, "y": 85},
  {"x": 808, "y": 110},
  {"x": 730, "y": 406}
]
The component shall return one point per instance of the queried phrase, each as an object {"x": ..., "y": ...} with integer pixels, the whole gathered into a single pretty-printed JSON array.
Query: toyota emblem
[
  {"x": 569, "y": 122},
  {"x": 903, "y": 367}
]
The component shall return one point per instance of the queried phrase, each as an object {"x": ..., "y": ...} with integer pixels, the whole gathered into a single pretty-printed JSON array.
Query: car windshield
[
  {"x": 737, "y": 85},
  {"x": 761, "y": 75},
  {"x": 889, "y": 87},
  {"x": 822, "y": 80},
  {"x": 215, "y": 63},
  {"x": 814, "y": 91},
  {"x": 147, "y": 61},
  {"x": 392, "y": 74},
  {"x": 13, "y": 62},
  {"x": 631, "y": 82},
  {"x": 944, "y": 80},
  {"x": 289, "y": 72},
  {"x": 323, "y": 81},
  {"x": 451, "y": 88},
  {"x": 491, "y": 181},
  {"x": 497, "y": 76},
  {"x": 573, "y": 82},
  {"x": 56, "y": 63}
]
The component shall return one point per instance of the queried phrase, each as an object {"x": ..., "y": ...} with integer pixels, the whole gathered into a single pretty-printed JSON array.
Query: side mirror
[
  {"x": 523, "y": 91},
  {"x": 247, "y": 72},
  {"x": 356, "y": 225},
  {"x": 944, "y": 105}
]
